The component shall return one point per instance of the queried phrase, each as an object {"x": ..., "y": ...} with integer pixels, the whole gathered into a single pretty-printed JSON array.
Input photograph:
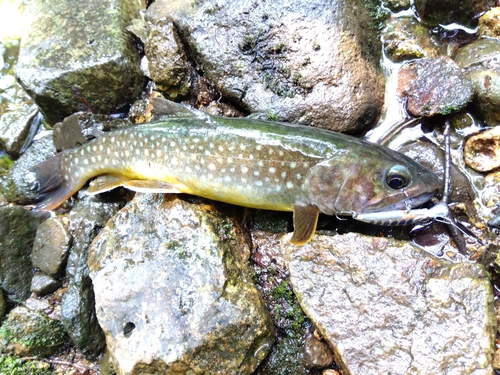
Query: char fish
[{"x": 251, "y": 163}]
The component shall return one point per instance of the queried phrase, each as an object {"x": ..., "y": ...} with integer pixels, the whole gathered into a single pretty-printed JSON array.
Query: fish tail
[{"x": 50, "y": 186}]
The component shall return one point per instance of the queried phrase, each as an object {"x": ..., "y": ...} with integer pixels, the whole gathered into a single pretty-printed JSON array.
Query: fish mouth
[{"x": 408, "y": 203}]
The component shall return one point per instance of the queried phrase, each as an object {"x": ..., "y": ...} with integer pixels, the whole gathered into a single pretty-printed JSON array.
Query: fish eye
[{"x": 398, "y": 177}]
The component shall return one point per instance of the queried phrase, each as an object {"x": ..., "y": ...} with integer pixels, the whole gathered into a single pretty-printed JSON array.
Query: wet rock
[
  {"x": 384, "y": 305},
  {"x": 78, "y": 55},
  {"x": 86, "y": 219},
  {"x": 405, "y": 38},
  {"x": 2, "y": 305},
  {"x": 15, "y": 127},
  {"x": 42, "y": 284},
  {"x": 18, "y": 184},
  {"x": 396, "y": 5},
  {"x": 174, "y": 292},
  {"x": 480, "y": 63},
  {"x": 278, "y": 57},
  {"x": 26, "y": 333},
  {"x": 433, "y": 86},
  {"x": 435, "y": 12},
  {"x": 17, "y": 234},
  {"x": 491, "y": 193},
  {"x": 482, "y": 151},
  {"x": 316, "y": 354},
  {"x": 51, "y": 247},
  {"x": 168, "y": 66},
  {"x": 489, "y": 23}
]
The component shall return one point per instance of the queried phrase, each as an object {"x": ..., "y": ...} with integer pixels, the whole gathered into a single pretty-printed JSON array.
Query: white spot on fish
[
  {"x": 289, "y": 185},
  {"x": 299, "y": 176},
  {"x": 101, "y": 147},
  {"x": 146, "y": 140},
  {"x": 86, "y": 162},
  {"x": 244, "y": 169},
  {"x": 256, "y": 173},
  {"x": 283, "y": 174},
  {"x": 76, "y": 160},
  {"x": 211, "y": 145},
  {"x": 272, "y": 170},
  {"x": 242, "y": 146},
  {"x": 227, "y": 179},
  {"x": 146, "y": 152},
  {"x": 137, "y": 151},
  {"x": 211, "y": 166},
  {"x": 258, "y": 147},
  {"x": 229, "y": 160},
  {"x": 250, "y": 156},
  {"x": 278, "y": 188},
  {"x": 219, "y": 160},
  {"x": 172, "y": 143},
  {"x": 293, "y": 164},
  {"x": 271, "y": 151},
  {"x": 82, "y": 152},
  {"x": 193, "y": 157},
  {"x": 127, "y": 153},
  {"x": 158, "y": 153},
  {"x": 196, "y": 140},
  {"x": 112, "y": 139},
  {"x": 94, "y": 148},
  {"x": 261, "y": 163},
  {"x": 232, "y": 169},
  {"x": 93, "y": 159},
  {"x": 221, "y": 149},
  {"x": 99, "y": 157},
  {"x": 66, "y": 177},
  {"x": 139, "y": 135},
  {"x": 281, "y": 153},
  {"x": 259, "y": 183}
]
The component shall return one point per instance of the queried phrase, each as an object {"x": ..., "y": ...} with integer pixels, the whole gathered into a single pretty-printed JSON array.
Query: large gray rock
[
  {"x": 311, "y": 62},
  {"x": 17, "y": 234},
  {"x": 388, "y": 307},
  {"x": 78, "y": 55},
  {"x": 174, "y": 293},
  {"x": 15, "y": 128}
]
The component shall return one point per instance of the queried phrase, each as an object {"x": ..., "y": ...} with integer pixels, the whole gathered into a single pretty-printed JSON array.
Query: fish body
[{"x": 251, "y": 163}]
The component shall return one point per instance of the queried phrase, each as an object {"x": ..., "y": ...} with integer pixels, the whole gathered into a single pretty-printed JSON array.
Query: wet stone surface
[
  {"x": 482, "y": 151},
  {"x": 14, "y": 129},
  {"x": 28, "y": 332},
  {"x": 358, "y": 289},
  {"x": 405, "y": 38},
  {"x": 174, "y": 292},
  {"x": 43, "y": 285},
  {"x": 480, "y": 63},
  {"x": 17, "y": 234},
  {"x": 81, "y": 51},
  {"x": 86, "y": 219},
  {"x": 450, "y": 11},
  {"x": 433, "y": 86},
  {"x": 276, "y": 57},
  {"x": 51, "y": 247}
]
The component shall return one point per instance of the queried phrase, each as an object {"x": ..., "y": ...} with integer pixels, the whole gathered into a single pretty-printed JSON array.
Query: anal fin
[
  {"x": 305, "y": 219},
  {"x": 105, "y": 183}
]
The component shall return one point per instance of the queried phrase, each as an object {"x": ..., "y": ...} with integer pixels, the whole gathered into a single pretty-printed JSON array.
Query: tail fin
[{"x": 51, "y": 188}]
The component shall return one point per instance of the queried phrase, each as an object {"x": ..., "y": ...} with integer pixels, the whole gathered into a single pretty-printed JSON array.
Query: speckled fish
[{"x": 251, "y": 163}]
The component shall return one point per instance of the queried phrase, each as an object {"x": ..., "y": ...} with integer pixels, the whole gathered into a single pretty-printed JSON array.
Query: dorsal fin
[{"x": 163, "y": 107}]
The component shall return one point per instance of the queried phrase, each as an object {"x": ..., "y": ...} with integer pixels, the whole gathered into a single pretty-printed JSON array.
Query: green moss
[
  {"x": 37, "y": 332},
  {"x": 15, "y": 366},
  {"x": 272, "y": 116}
]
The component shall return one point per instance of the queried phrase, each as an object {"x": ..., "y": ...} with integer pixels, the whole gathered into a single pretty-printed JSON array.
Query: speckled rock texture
[
  {"x": 388, "y": 307},
  {"x": 174, "y": 293}
]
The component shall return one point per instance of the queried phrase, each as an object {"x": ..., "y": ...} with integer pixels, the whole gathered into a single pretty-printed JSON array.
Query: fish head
[{"x": 374, "y": 182}]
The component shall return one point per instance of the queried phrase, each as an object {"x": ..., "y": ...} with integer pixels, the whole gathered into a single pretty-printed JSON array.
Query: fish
[{"x": 247, "y": 162}]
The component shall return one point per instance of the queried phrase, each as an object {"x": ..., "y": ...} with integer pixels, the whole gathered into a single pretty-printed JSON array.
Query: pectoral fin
[
  {"x": 305, "y": 219},
  {"x": 108, "y": 182}
]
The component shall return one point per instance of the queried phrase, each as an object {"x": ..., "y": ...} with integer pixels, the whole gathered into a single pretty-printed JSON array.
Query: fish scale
[{"x": 251, "y": 163}]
